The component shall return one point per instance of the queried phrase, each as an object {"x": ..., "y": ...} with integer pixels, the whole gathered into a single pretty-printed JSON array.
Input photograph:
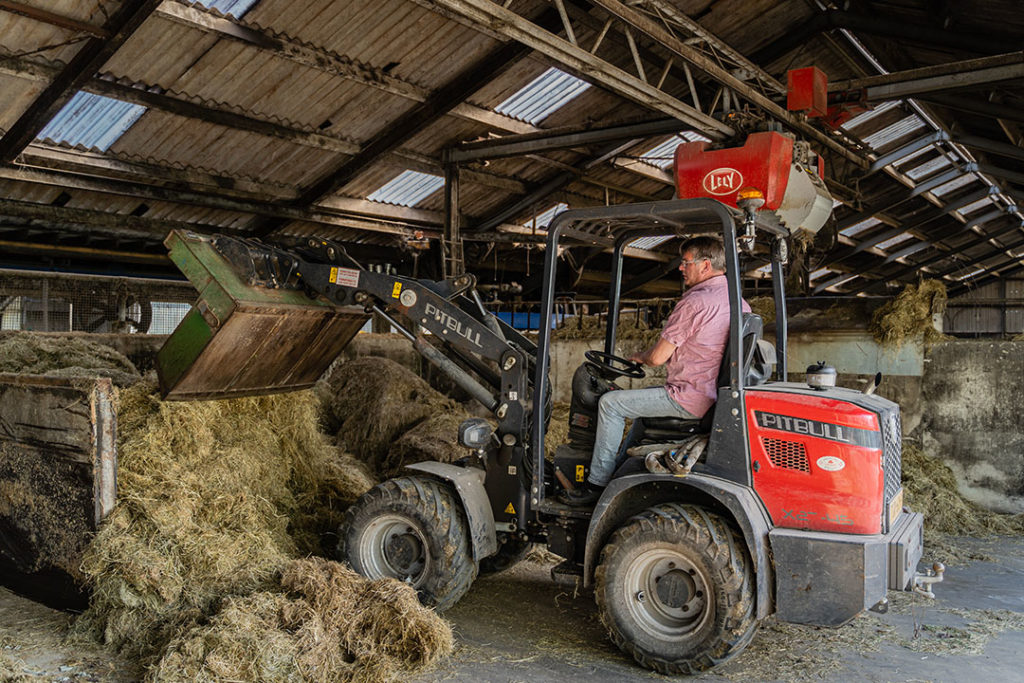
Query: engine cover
[{"x": 817, "y": 460}]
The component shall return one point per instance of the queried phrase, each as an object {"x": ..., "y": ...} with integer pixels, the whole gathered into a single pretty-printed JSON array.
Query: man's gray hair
[{"x": 705, "y": 247}]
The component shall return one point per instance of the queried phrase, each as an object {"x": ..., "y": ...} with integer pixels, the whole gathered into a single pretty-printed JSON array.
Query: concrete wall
[
  {"x": 972, "y": 418},
  {"x": 962, "y": 400}
]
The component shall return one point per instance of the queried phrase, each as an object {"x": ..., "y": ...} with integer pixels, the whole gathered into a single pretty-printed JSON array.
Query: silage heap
[
  {"x": 64, "y": 355},
  {"x": 216, "y": 499},
  {"x": 387, "y": 416}
]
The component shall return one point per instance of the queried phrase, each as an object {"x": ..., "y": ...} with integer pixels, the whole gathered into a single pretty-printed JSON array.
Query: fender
[
  {"x": 631, "y": 494},
  {"x": 469, "y": 485}
]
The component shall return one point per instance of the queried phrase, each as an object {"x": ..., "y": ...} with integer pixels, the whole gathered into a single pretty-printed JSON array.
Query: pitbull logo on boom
[{"x": 454, "y": 325}]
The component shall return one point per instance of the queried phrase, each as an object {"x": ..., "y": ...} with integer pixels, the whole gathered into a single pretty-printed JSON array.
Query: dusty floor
[{"x": 519, "y": 626}]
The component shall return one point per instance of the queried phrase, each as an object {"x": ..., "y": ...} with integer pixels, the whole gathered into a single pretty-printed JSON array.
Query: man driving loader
[{"x": 691, "y": 346}]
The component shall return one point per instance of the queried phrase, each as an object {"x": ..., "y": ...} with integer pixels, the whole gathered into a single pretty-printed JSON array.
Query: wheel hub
[
  {"x": 403, "y": 551},
  {"x": 675, "y": 589}
]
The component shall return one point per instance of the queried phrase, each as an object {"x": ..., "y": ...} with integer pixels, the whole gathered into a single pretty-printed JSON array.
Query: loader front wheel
[
  {"x": 412, "y": 529},
  {"x": 675, "y": 589}
]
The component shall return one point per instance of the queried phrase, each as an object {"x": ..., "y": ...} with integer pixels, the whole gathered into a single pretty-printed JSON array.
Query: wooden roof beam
[{"x": 489, "y": 16}]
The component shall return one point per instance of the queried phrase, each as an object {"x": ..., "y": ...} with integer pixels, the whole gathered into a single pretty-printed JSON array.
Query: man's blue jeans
[{"x": 612, "y": 411}]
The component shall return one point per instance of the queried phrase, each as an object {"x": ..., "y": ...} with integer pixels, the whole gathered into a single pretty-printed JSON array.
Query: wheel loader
[{"x": 785, "y": 499}]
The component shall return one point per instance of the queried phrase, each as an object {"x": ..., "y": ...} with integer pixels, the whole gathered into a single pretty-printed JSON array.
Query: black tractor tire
[
  {"x": 511, "y": 551},
  {"x": 675, "y": 589},
  {"x": 412, "y": 529}
]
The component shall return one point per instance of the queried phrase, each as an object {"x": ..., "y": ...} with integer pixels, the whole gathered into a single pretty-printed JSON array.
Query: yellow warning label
[
  {"x": 334, "y": 275},
  {"x": 396, "y": 290},
  {"x": 510, "y": 510},
  {"x": 580, "y": 471}
]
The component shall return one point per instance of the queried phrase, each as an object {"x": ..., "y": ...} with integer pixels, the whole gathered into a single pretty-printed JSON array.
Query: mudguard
[
  {"x": 631, "y": 494},
  {"x": 469, "y": 485}
]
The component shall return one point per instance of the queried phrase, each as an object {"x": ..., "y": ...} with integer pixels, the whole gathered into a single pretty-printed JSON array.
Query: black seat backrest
[{"x": 750, "y": 332}]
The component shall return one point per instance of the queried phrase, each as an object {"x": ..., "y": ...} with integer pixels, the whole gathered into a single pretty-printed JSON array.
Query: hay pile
[
  {"x": 12, "y": 668},
  {"x": 64, "y": 355},
  {"x": 909, "y": 315},
  {"x": 594, "y": 327},
  {"x": 930, "y": 487},
  {"x": 388, "y": 416},
  {"x": 763, "y": 306},
  {"x": 216, "y": 500},
  {"x": 323, "y": 623}
]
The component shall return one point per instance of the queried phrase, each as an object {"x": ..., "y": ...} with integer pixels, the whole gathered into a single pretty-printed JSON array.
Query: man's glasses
[{"x": 693, "y": 262}]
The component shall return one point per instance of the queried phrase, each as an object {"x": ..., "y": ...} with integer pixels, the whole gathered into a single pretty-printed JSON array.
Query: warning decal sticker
[{"x": 345, "y": 277}]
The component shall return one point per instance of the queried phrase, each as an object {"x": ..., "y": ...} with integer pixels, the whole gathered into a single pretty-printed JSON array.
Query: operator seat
[{"x": 663, "y": 429}]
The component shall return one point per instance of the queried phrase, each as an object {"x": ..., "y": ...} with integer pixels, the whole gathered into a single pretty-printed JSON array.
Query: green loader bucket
[{"x": 240, "y": 340}]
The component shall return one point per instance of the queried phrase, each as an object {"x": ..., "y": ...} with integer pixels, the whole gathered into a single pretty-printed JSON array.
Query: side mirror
[{"x": 475, "y": 433}]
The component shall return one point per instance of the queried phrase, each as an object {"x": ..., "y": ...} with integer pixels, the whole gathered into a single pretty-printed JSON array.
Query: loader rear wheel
[
  {"x": 675, "y": 589},
  {"x": 412, "y": 529}
]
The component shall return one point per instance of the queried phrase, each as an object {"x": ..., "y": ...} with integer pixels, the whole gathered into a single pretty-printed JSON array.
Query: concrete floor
[{"x": 519, "y": 626}]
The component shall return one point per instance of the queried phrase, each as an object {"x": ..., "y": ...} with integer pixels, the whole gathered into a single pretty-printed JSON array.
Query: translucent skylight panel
[
  {"x": 974, "y": 206},
  {"x": 92, "y": 121},
  {"x": 928, "y": 167},
  {"x": 893, "y": 241},
  {"x": 663, "y": 155},
  {"x": 859, "y": 227},
  {"x": 234, "y": 7},
  {"x": 544, "y": 219},
  {"x": 650, "y": 242},
  {"x": 971, "y": 274},
  {"x": 408, "y": 189},
  {"x": 896, "y": 131},
  {"x": 955, "y": 184},
  {"x": 542, "y": 96},
  {"x": 868, "y": 115}
]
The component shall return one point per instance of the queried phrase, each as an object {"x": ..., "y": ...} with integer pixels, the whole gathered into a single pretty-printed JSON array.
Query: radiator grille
[
  {"x": 892, "y": 440},
  {"x": 789, "y": 455}
]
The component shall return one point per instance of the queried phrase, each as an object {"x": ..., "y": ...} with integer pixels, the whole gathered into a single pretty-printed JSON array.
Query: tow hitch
[{"x": 923, "y": 582}]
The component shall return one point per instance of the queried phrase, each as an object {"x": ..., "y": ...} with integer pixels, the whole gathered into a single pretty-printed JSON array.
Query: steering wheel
[{"x": 605, "y": 363}]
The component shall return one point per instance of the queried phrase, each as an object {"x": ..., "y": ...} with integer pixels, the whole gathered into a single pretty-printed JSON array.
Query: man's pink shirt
[{"x": 699, "y": 329}]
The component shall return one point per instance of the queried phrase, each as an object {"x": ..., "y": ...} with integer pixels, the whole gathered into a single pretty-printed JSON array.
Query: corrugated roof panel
[
  {"x": 236, "y": 8},
  {"x": 956, "y": 183},
  {"x": 819, "y": 272},
  {"x": 903, "y": 237},
  {"x": 868, "y": 115},
  {"x": 408, "y": 189},
  {"x": 898, "y": 130},
  {"x": 974, "y": 206},
  {"x": 971, "y": 274},
  {"x": 542, "y": 96},
  {"x": 543, "y": 219},
  {"x": 857, "y": 228},
  {"x": 928, "y": 168},
  {"x": 663, "y": 154},
  {"x": 92, "y": 121},
  {"x": 650, "y": 242}
]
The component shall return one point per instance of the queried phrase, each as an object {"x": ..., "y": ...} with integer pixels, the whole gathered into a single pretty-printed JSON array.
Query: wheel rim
[
  {"x": 392, "y": 546},
  {"x": 667, "y": 594}
]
